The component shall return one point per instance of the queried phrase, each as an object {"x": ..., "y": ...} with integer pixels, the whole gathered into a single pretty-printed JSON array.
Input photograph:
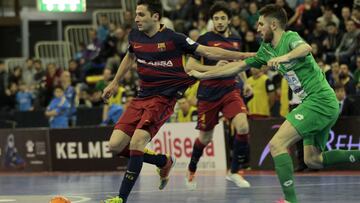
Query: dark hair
[
  {"x": 220, "y": 6},
  {"x": 154, "y": 6},
  {"x": 275, "y": 11}
]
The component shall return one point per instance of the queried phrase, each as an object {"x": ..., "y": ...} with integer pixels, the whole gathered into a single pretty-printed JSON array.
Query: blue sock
[
  {"x": 196, "y": 154},
  {"x": 240, "y": 152},
  {"x": 133, "y": 170}
]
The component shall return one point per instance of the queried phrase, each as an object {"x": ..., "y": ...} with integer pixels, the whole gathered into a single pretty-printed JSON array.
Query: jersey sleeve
[
  {"x": 257, "y": 61},
  {"x": 201, "y": 41},
  {"x": 186, "y": 44},
  {"x": 294, "y": 40}
]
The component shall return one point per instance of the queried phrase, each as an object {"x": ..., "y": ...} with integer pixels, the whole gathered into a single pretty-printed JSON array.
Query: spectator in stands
[
  {"x": 285, "y": 5},
  {"x": 316, "y": 52},
  {"x": 349, "y": 105},
  {"x": 332, "y": 76},
  {"x": 311, "y": 12},
  {"x": 328, "y": 17},
  {"x": 263, "y": 94},
  {"x": 357, "y": 75},
  {"x": 15, "y": 75},
  {"x": 58, "y": 109},
  {"x": 186, "y": 112},
  {"x": 253, "y": 15},
  {"x": 317, "y": 35},
  {"x": 28, "y": 73},
  {"x": 347, "y": 80},
  {"x": 114, "y": 48},
  {"x": 39, "y": 71},
  {"x": 83, "y": 99},
  {"x": 70, "y": 95},
  {"x": 8, "y": 101},
  {"x": 52, "y": 79},
  {"x": 332, "y": 39},
  {"x": 237, "y": 9},
  {"x": 92, "y": 49},
  {"x": 250, "y": 43},
  {"x": 345, "y": 16},
  {"x": 3, "y": 83},
  {"x": 348, "y": 44},
  {"x": 103, "y": 29},
  {"x": 76, "y": 74},
  {"x": 24, "y": 98},
  {"x": 356, "y": 16}
]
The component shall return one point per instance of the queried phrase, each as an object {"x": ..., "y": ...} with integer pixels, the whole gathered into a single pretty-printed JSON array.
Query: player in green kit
[{"x": 311, "y": 121}]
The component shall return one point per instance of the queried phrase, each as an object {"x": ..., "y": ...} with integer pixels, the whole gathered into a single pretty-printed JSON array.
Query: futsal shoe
[
  {"x": 164, "y": 172},
  {"x": 282, "y": 201},
  {"x": 116, "y": 199},
  {"x": 190, "y": 182},
  {"x": 238, "y": 179}
]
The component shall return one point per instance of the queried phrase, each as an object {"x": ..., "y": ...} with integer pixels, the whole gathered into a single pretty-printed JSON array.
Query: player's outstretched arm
[
  {"x": 194, "y": 64},
  {"x": 222, "y": 71},
  {"x": 216, "y": 53},
  {"x": 124, "y": 67},
  {"x": 300, "y": 51}
]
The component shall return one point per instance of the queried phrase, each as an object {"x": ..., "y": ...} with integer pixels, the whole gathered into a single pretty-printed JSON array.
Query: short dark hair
[
  {"x": 275, "y": 11},
  {"x": 338, "y": 86},
  {"x": 154, "y": 6},
  {"x": 220, "y": 6}
]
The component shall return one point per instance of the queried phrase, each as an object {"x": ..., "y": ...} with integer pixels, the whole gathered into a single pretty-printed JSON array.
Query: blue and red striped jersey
[
  {"x": 214, "y": 89},
  {"x": 160, "y": 62}
]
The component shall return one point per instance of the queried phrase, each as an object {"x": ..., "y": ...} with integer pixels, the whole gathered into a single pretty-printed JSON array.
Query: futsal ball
[{"x": 59, "y": 199}]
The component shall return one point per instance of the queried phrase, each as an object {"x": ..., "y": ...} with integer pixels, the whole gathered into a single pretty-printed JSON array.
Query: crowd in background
[{"x": 331, "y": 27}]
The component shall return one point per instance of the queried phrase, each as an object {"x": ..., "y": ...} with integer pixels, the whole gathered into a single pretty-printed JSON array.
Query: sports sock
[
  {"x": 133, "y": 170},
  {"x": 340, "y": 156},
  {"x": 197, "y": 152},
  {"x": 240, "y": 152},
  {"x": 285, "y": 171}
]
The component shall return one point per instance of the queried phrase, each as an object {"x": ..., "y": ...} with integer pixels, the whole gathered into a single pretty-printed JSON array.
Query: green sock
[
  {"x": 284, "y": 169},
  {"x": 340, "y": 156}
]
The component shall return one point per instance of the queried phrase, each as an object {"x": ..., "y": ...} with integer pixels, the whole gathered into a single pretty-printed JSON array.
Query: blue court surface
[{"x": 325, "y": 187}]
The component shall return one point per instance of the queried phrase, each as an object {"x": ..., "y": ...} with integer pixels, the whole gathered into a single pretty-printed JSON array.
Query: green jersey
[{"x": 304, "y": 76}]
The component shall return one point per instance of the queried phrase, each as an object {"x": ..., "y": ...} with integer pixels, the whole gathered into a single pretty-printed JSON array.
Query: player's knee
[
  {"x": 242, "y": 129},
  {"x": 313, "y": 162},
  {"x": 138, "y": 142},
  {"x": 276, "y": 147},
  {"x": 205, "y": 139}
]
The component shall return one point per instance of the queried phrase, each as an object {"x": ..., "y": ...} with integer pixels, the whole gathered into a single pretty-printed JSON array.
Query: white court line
[
  {"x": 7, "y": 200},
  {"x": 217, "y": 189},
  {"x": 82, "y": 199}
]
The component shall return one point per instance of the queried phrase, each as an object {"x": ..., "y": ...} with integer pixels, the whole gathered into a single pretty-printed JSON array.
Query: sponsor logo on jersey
[
  {"x": 299, "y": 116},
  {"x": 161, "y": 46},
  {"x": 157, "y": 63}
]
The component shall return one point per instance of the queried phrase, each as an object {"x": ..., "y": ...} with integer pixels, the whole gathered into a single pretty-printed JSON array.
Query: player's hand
[
  {"x": 109, "y": 91},
  {"x": 275, "y": 62},
  {"x": 248, "y": 91},
  {"x": 222, "y": 63},
  {"x": 244, "y": 55},
  {"x": 196, "y": 74}
]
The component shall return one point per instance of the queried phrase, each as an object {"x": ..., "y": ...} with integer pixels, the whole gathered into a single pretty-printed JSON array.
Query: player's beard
[{"x": 268, "y": 36}]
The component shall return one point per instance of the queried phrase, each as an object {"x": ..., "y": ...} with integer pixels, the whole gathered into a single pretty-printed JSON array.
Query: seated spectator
[
  {"x": 70, "y": 95},
  {"x": 332, "y": 76},
  {"x": 103, "y": 28},
  {"x": 24, "y": 98},
  {"x": 39, "y": 71},
  {"x": 349, "y": 105},
  {"x": 253, "y": 15},
  {"x": 356, "y": 16},
  {"x": 28, "y": 73},
  {"x": 332, "y": 39},
  {"x": 52, "y": 79},
  {"x": 15, "y": 75},
  {"x": 77, "y": 76},
  {"x": 345, "y": 16},
  {"x": 58, "y": 109},
  {"x": 347, "y": 80},
  {"x": 327, "y": 17},
  {"x": 186, "y": 112},
  {"x": 357, "y": 75}
]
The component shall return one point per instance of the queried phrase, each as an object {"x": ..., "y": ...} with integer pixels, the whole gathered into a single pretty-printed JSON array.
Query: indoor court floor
[{"x": 317, "y": 187}]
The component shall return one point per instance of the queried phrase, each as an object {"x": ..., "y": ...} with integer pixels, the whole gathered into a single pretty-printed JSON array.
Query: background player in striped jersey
[
  {"x": 312, "y": 120},
  {"x": 220, "y": 95},
  {"x": 159, "y": 53}
]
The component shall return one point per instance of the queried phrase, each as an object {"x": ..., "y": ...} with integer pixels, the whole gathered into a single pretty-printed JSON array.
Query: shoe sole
[{"x": 240, "y": 186}]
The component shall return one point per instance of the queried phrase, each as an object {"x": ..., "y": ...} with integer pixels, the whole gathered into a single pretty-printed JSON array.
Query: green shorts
[{"x": 313, "y": 121}]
